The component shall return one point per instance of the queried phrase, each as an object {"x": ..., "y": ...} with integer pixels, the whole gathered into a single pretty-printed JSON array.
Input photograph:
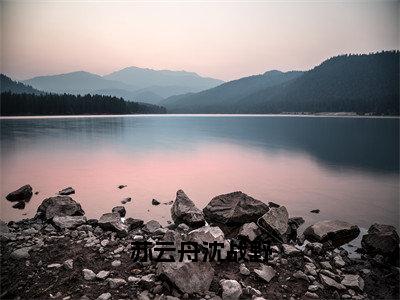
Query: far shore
[{"x": 313, "y": 115}]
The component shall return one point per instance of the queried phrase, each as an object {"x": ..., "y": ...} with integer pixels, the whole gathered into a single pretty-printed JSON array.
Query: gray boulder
[
  {"x": 231, "y": 289},
  {"x": 151, "y": 226},
  {"x": 184, "y": 211},
  {"x": 115, "y": 282},
  {"x": 59, "y": 206},
  {"x": 300, "y": 275},
  {"x": 234, "y": 209},
  {"x": 266, "y": 272},
  {"x": 249, "y": 231},
  {"x": 133, "y": 223},
  {"x": 22, "y": 253},
  {"x": 69, "y": 221},
  {"x": 112, "y": 222},
  {"x": 5, "y": 233},
  {"x": 207, "y": 234},
  {"x": 339, "y": 232},
  {"x": 353, "y": 282},
  {"x": 104, "y": 296},
  {"x": 381, "y": 239},
  {"x": 276, "y": 219},
  {"x": 326, "y": 280},
  {"x": 24, "y": 193},
  {"x": 188, "y": 277},
  {"x": 67, "y": 191},
  {"x": 290, "y": 250},
  {"x": 119, "y": 210}
]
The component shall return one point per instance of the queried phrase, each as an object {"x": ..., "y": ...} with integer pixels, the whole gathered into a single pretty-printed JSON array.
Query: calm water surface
[{"x": 346, "y": 167}]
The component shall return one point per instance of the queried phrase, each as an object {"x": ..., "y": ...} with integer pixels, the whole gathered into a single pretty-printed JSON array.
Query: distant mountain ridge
[
  {"x": 135, "y": 84},
  {"x": 79, "y": 82},
  {"x": 9, "y": 85},
  {"x": 362, "y": 83},
  {"x": 145, "y": 78}
]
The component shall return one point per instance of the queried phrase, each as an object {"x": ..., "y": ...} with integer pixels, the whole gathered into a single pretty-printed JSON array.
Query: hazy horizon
[{"x": 223, "y": 40}]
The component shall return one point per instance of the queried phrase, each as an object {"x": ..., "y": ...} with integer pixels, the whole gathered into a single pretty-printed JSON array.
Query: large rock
[
  {"x": 24, "y": 193},
  {"x": 151, "y": 226},
  {"x": 339, "y": 232},
  {"x": 290, "y": 250},
  {"x": 381, "y": 239},
  {"x": 59, "y": 206},
  {"x": 113, "y": 222},
  {"x": 276, "y": 219},
  {"x": 353, "y": 282},
  {"x": 69, "y": 221},
  {"x": 207, "y": 234},
  {"x": 119, "y": 210},
  {"x": 249, "y": 231},
  {"x": 133, "y": 223},
  {"x": 22, "y": 253},
  {"x": 231, "y": 289},
  {"x": 266, "y": 272},
  {"x": 331, "y": 282},
  {"x": 188, "y": 277},
  {"x": 184, "y": 211},
  {"x": 234, "y": 209},
  {"x": 5, "y": 233}
]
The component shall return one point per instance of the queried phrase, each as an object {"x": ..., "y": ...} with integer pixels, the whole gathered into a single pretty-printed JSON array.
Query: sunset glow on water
[{"x": 205, "y": 156}]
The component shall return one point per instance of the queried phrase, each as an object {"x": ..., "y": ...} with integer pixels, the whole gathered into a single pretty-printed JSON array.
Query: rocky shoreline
[{"x": 60, "y": 254}]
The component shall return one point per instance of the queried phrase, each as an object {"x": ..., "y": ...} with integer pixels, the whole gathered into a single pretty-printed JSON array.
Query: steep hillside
[
  {"x": 366, "y": 83},
  {"x": 9, "y": 85},
  {"x": 224, "y": 97}
]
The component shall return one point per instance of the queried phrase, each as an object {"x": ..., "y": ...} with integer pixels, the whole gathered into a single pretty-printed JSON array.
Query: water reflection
[
  {"x": 347, "y": 167},
  {"x": 366, "y": 143}
]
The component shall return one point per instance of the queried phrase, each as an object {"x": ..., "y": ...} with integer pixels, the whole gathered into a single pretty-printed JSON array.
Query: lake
[{"x": 348, "y": 167}]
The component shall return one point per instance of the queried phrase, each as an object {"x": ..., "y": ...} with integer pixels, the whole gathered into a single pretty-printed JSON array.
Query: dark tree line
[
  {"x": 353, "y": 83},
  {"x": 66, "y": 104},
  {"x": 362, "y": 83}
]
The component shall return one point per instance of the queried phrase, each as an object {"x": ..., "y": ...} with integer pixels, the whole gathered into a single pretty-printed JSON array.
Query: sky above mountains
[{"x": 225, "y": 40}]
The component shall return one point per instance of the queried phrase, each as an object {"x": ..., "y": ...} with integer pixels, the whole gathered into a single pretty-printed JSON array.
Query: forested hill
[
  {"x": 352, "y": 83},
  {"x": 367, "y": 83},
  {"x": 228, "y": 94},
  {"x": 66, "y": 104},
  {"x": 8, "y": 85}
]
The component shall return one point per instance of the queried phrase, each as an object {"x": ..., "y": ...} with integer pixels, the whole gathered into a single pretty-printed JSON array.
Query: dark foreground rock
[
  {"x": 119, "y": 210},
  {"x": 59, "y": 206},
  {"x": 338, "y": 232},
  {"x": 90, "y": 260},
  {"x": 275, "y": 220},
  {"x": 235, "y": 208},
  {"x": 24, "y": 193},
  {"x": 184, "y": 211},
  {"x": 113, "y": 222},
  {"x": 69, "y": 221},
  {"x": 188, "y": 277},
  {"x": 133, "y": 223},
  {"x": 382, "y": 239}
]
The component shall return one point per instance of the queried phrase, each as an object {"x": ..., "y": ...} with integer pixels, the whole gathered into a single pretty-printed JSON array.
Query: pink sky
[{"x": 224, "y": 40}]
